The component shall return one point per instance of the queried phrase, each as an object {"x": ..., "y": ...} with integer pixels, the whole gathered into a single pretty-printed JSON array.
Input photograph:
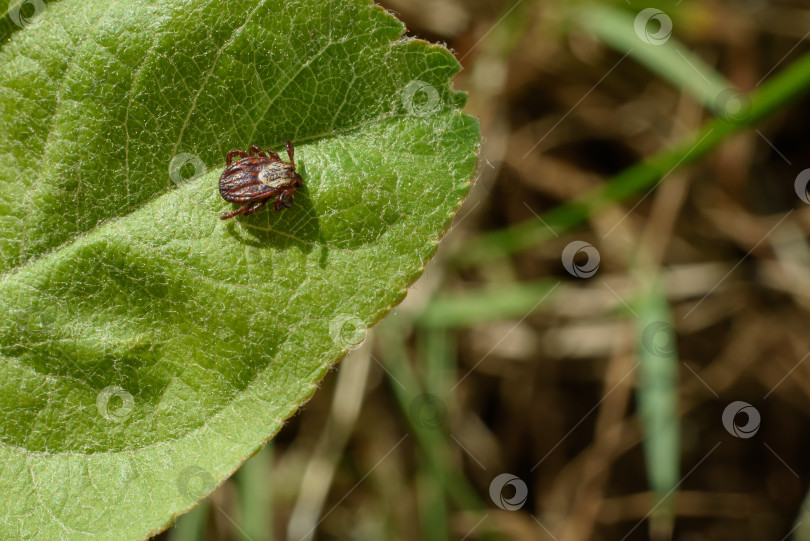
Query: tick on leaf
[{"x": 256, "y": 177}]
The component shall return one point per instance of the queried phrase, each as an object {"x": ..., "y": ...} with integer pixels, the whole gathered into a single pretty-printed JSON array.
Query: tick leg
[
  {"x": 273, "y": 154},
  {"x": 285, "y": 198},
  {"x": 256, "y": 151},
  {"x": 236, "y": 212},
  {"x": 290, "y": 151},
  {"x": 245, "y": 210},
  {"x": 232, "y": 153},
  {"x": 253, "y": 207}
]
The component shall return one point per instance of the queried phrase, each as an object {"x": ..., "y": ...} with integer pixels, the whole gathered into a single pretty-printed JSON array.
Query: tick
[{"x": 256, "y": 177}]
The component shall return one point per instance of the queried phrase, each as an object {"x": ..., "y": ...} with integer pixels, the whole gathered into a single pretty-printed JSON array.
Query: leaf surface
[{"x": 147, "y": 347}]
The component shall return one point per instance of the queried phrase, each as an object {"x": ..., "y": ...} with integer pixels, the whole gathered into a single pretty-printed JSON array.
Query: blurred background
[{"x": 610, "y": 343}]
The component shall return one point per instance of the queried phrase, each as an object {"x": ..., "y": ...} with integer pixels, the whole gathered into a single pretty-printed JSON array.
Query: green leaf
[{"x": 147, "y": 347}]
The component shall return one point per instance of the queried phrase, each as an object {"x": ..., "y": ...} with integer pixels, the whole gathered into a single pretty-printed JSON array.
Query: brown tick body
[{"x": 257, "y": 177}]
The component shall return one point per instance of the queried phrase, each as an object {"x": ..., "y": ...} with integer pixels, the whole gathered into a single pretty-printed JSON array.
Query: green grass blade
[
  {"x": 191, "y": 526},
  {"x": 657, "y": 393},
  {"x": 433, "y": 440},
  {"x": 494, "y": 303},
  {"x": 668, "y": 58},
  {"x": 255, "y": 493},
  {"x": 775, "y": 94}
]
